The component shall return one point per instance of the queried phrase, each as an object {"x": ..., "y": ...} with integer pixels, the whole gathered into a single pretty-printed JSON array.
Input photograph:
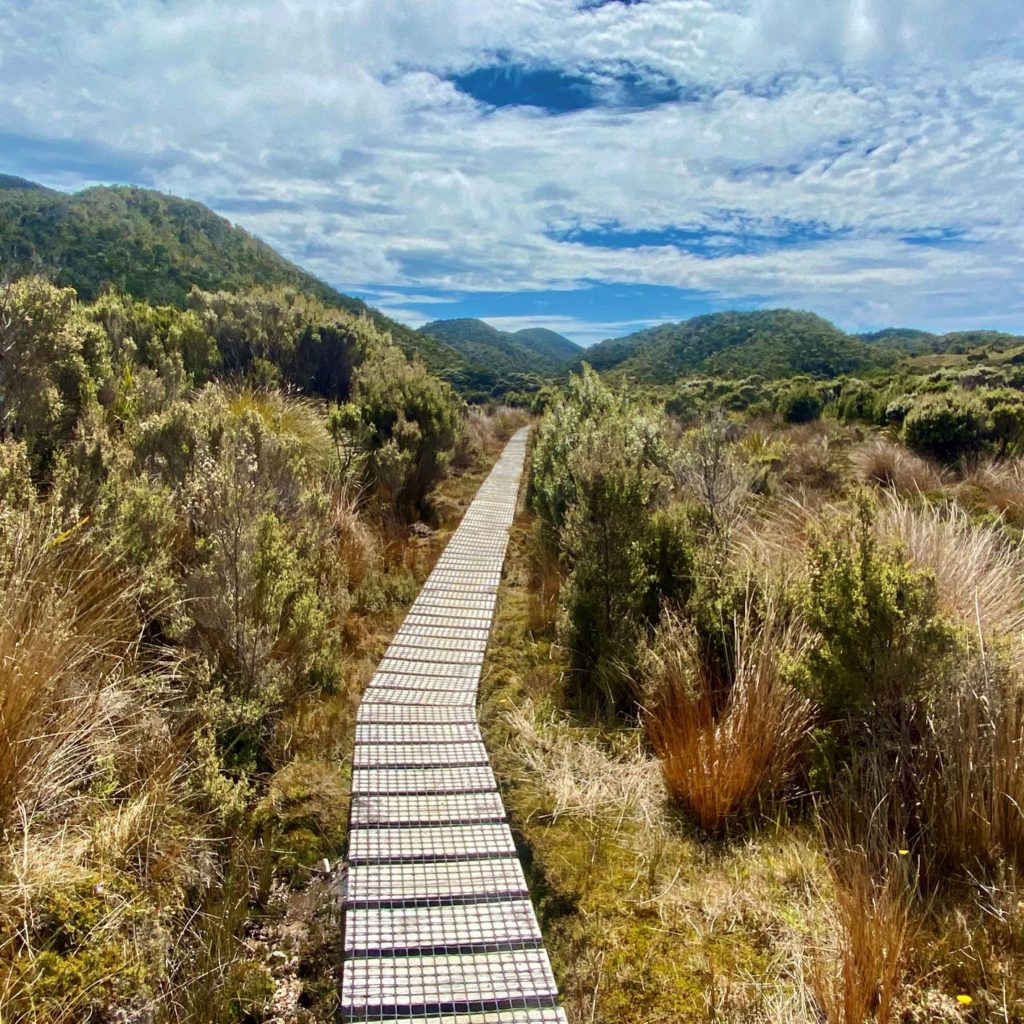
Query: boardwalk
[{"x": 438, "y": 921}]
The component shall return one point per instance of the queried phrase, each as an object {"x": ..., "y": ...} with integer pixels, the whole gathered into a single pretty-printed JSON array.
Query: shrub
[
  {"x": 605, "y": 539},
  {"x": 707, "y": 467},
  {"x": 411, "y": 420},
  {"x": 46, "y": 348},
  {"x": 881, "y": 640},
  {"x": 722, "y": 749},
  {"x": 16, "y": 489},
  {"x": 799, "y": 403},
  {"x": 858, "y": 402},
  {"x": 671, "y": 557},
  {"x": 553, "y": 483},
  {"x": 945, "y": 426}
]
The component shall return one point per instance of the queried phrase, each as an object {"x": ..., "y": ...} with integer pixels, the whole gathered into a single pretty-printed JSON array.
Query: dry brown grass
[
  {"x": 92, "y": 784},
  {"x": 545, "y": 587},
  {"x": 579, "y": 777},
  {"x": 722, "y": 752},
  {"x": 483, "y": 429},
  {"x": 68, "y": 654},
  {"x": 892, "y": 466},
  {"x": 356, "y": 543},
  {"x": 861, "y": 976},
  {"x": 974, "y": 783},
  {"x": 874, "y": 894},
  {"x": 999, "y": 484},
  {"x": 979, "y": 575}
]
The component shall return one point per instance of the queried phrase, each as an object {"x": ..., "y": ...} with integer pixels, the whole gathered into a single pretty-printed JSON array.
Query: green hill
[
  {"x": 916, "y": 343},
  {"x": 534, "y": 350},
  {"x": 156, "y": 247},
  {"x": 772, "y": 343},
  {"x": 542, "y": 340}
]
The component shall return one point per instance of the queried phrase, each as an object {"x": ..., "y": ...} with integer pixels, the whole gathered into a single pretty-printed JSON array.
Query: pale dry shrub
[
  {"x": 980, "y": 576},
  {"x": 506, "y": 420},
  {"x": 722, "y": 752},
  {"x": 890, "y": 465},
  {"x": 476, "y": 435}
]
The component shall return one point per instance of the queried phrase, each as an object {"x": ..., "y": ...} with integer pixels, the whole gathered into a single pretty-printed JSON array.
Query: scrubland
[
  {"x": 755, "y": 699},
  {"x": 200, "y": 565}
]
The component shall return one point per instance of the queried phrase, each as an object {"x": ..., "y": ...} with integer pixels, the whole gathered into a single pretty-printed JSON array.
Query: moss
[{"x": 304, "y": 815}]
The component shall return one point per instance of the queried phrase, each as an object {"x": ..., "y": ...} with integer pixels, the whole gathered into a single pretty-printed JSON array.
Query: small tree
[{"x": 605, "y": 541}]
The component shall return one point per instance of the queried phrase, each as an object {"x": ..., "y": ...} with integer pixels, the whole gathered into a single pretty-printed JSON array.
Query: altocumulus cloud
[{"x": 860, "y": 157}]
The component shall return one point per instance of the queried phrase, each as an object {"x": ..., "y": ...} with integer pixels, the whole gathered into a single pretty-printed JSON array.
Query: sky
[{"x": 592, "y": 167}]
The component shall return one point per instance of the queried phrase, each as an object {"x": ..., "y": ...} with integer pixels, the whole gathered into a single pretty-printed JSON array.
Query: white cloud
[{"x": 376, "y": 173}]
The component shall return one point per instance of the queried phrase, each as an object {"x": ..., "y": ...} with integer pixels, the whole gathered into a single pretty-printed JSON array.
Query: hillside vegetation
[
  {"x": 210, "y": 521},
  {"x": 757, "y": 703},
  {"x": 539, "y": 352},
  {"x": 157, "y": 247},
  {"x": 773, "y": 343}
]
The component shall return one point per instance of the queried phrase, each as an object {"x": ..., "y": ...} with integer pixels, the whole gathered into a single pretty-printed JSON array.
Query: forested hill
[
  {"x": 156, "y": 247},
  {"x": 773, "y": 343},
  {"x": 533, "y": 350},
  {"x": 914, "y": 342}
]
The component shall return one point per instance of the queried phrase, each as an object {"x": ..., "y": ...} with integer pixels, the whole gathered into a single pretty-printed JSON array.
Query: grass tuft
[{"x": 722, "y": 752}]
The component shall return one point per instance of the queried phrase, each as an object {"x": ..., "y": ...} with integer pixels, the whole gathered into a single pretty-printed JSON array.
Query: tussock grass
[
  {"x": 69, "y": 666},
  {"x": 974, "y": 783},
  {"x": 999, "y": 483},
  {"x": 723, "y": 751},
  {"x": 861, "y": 976},
  {"x": 892, "y": 466},
  {"x": 980, "y": 576},
  {"x": 873, "y": 899}
]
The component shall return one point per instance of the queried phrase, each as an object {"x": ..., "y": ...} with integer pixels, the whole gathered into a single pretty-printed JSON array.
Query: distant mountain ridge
[
  {"x": 156, "y": 247},
  {"x": 772, "y": 343},
  {"x": 532, "y": 350},
  {"x": 914, "y": 342}
]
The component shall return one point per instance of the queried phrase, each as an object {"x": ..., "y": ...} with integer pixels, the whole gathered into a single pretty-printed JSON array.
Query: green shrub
[
  {"x": 51, "y": 358},
  {"x": 606, "y": 541},
  {"x": 947, "y": 426},
  {"x": 671, "y": 555},
  {"x": 411, "y": 421},
  {"x": 881, "y": 640},
  {"x": 553, "y": 481},
  {"x": 800, "y": 403}
]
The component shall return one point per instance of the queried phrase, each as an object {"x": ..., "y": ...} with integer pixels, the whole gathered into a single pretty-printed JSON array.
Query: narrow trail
[{"x": 438, "y": 921}]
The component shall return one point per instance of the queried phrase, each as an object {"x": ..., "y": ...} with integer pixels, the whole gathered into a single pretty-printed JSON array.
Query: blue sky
[{"x": 590, "y": 167}]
